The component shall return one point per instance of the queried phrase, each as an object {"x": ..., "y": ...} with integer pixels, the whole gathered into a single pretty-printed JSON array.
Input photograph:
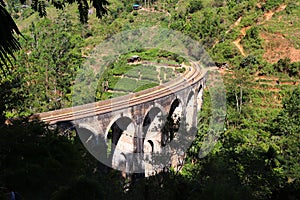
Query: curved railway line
[{"x": 191, "y": 76}]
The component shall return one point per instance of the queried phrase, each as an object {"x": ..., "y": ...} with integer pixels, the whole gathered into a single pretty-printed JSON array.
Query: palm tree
[{"x": 8, "y": 42}]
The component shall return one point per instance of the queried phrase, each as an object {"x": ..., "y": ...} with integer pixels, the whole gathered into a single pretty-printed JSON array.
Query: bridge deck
[{"x": 191, "y": 76}]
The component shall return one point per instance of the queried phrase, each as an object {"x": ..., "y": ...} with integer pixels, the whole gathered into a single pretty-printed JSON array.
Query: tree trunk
[{"x": 241, "y": 98}]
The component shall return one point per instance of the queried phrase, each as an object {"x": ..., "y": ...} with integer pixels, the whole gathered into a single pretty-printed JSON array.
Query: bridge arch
[
  {"x": 153, "y": 119},
  {"x": 190, "y": 111},
  {"x": 156, "y": 105},
  {"x": 88, "y": 127},
  {"x": 123, "y": 125},
  {"x": 173, "y": 121},
  {"x": 149, "y": 149},
  {"x": 92, "y": 141},
  {"x": 151, "y": 129},
  {"x": 116, "y": 118},
  {"x": 120, "y": 141}
]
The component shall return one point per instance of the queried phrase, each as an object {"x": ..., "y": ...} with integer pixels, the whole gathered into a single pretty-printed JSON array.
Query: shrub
[
  {"x": 269, "y": 5},
  {"x": 195, "y": 5},
  {"x": 112, "y": 81},
  {"x": 135, "y": 13},
  {"x": 180, "y": 70}
]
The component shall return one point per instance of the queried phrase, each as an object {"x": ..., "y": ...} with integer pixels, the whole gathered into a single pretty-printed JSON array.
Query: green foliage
[
  {"x": 33, "y": 157},
  {"x": 83, "y": 7},
  {"x": 225, "y": 51},
  {"x": 143, "y": 85},
  {"x": 287, "y": 128},
  {"x": 40, "y": 163},
  {"x": 8, "y": 43},
  {"x": 48, "y": 86},
  {"x": 270, "y": 5},
  {"x": 82, "y": 188},
  {"x": 180, "y": 70},
  {"x": 250, "y": 64},
  {"x": 149, "y": 72},
  {"x": 285, "y": 66},
  {"x": 121, "y": 69},
  {"x": 9, "y": 99},
  {"x": 289, "y": 121},
  {"x": 166, "y": 74},
  {"x": 252, "y": 41},
  {"x": 256, "y": 157},
  {"x": 126, "y": 84},
  {"x": 123, "y": 77},
  {"x": 194, "y": 6}
]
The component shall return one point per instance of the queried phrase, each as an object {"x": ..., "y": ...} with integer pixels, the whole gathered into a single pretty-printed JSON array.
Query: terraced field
[{"x": 155, "y": 68}]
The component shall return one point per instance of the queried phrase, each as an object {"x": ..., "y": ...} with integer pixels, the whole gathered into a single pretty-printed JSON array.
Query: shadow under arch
[
  {"x": 93, "y": 142},
  {"x": 190, "y": 113},
  {"x": 172, "y": 122},
  {"x": 148, "y": 149},
  {"x": 152, "y": 125},
  {"x": 199, "y": 97},
  {"x": 153, "y": 121},
  {"x": 120, "y": 141}
]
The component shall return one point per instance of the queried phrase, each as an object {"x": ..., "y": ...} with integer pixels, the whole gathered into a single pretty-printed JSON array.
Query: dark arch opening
[
  {"x": 66, "y": 128},
  {"x": 148, "y": 147},
  {"x": 152, "y": 145},
  {"x": 154, "y": 115},
  {"x": 200, "y": 88},
  {"x": 199, "y": 98},
  {"x": 172, "y": 123}
]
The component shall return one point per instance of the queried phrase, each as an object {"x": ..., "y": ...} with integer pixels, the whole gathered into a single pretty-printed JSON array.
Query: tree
[
  {"x": 35, "y": 161},
  {"x": 9, "y": 43},
  {"x": 46, "y": 85},
  {"x": 288, "y": 121},
  {"x": 287, "y": 128},
  {"x": 195, "y": 5},
  {"x": 238, "y": 89}
]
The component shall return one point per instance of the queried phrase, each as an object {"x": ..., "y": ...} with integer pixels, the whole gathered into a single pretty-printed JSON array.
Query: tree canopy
[{"x": 9, "y": 43}]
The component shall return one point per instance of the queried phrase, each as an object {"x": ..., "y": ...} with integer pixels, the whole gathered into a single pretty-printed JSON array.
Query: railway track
[{"x": 191, "y": 76}]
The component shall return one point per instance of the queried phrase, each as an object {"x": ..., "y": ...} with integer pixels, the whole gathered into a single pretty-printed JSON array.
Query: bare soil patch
[
  {"x": 278, "y": 47},
  {"x": 269, "y": 15}
]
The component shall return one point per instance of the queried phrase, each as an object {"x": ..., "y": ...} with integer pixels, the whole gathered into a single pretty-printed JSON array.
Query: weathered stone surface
[{"x": 133, "y": 132}]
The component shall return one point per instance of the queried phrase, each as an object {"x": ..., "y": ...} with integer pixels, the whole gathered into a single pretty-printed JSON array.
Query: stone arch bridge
[{"x": 141, "y": 132}]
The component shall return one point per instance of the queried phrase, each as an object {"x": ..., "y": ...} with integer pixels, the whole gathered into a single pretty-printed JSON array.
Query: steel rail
[{"x": 192, "y": 75}]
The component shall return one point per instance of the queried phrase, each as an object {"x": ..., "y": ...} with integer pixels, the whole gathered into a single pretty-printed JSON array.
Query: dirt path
[
  {"x": 241, "y": 36},
  {"x": 267, "y": 16},
  {"x": 237, "y": 22}
]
